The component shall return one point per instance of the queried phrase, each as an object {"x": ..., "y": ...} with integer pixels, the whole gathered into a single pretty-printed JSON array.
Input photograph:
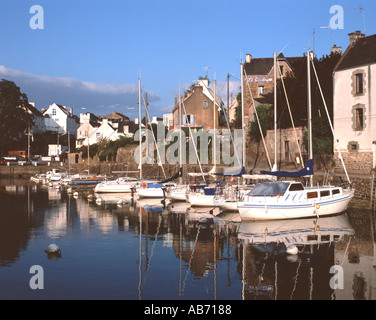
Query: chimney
[
  {"x": 248, "y": 58},
  {"x": 336, "y": 49},
  {"x": 354, "y": 36},
  {"x": 176, "y": 100}
]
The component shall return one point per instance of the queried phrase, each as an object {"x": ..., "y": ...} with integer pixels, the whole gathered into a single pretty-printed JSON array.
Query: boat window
[
  {"x": 325, "y": 237},
  {"x": 312, "y": 237},
  {"x": 273, "y": 188},
  {"x": 296, "y": 187},
  {"x": 324, "y": 193},
  {"x": 335, "y": 191},
  {"x": 311, "y": 195}
]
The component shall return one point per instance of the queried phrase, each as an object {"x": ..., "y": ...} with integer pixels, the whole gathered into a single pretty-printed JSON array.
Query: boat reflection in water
[{"x": 282, "y": 258}]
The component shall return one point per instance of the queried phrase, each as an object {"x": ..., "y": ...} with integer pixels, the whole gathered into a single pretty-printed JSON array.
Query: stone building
[
  {"x": 198, "y": 108},
  {"x": 354, "y": 103},
  {"x": 259, "y": 79}
]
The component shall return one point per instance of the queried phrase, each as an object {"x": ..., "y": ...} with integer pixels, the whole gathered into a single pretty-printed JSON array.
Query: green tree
[{"x": 14, "y": 118}]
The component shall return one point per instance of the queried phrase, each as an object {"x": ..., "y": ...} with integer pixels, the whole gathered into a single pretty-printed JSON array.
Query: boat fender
[
  {"x": 144, "y": 185},
  {"x": 266, "y": 208},
  {"x": 53, "y": 249},
  {"x": 75, "y": 194},
  {"x": 292, "y": 249}
]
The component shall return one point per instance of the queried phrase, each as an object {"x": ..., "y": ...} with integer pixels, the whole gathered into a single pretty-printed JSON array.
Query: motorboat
[
  {"x": 289, "y": 199},
  {"x": 123, "y": 184}
]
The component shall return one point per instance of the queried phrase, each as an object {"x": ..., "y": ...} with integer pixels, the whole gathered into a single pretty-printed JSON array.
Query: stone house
[
  {"x": 198, "y": 108},
  {"x": 259, "y": 79},
  {"x": 354, "y": 103}
]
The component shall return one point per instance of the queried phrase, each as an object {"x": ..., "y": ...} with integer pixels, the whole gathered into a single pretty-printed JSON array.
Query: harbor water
[{"x": 157, "y": 250}]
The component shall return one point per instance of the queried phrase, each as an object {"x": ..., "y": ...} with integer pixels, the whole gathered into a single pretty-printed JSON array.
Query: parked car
[
  {"x": 22, "y": 162},
  {"x": 35, "y": 161}
]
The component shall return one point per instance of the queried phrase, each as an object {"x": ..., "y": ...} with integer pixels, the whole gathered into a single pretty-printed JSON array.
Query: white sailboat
[{"x": 289, "y": 199}]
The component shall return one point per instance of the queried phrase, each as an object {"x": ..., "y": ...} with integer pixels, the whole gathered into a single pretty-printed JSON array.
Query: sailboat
[{"x": 290, "y": 199}]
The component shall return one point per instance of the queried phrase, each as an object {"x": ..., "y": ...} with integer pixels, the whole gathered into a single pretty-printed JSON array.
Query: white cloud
[{"x": 99, "y": 98}]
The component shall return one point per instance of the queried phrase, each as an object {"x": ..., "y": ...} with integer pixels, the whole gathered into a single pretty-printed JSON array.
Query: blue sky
[{"x": 91, "y": 52}]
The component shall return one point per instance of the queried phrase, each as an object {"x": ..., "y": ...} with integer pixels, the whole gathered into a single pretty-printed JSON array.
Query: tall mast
[
  {"x": 214, "y": 155},
  {"x": 242, "y": 97},
  {"x": 275, "y": 112},
  {"x": 180, "y": 141},
  {"x": 309, "y": 111},
  {"x": 139, "y": 123}
]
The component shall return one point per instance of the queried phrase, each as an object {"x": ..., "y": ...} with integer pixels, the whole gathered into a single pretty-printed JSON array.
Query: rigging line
[
  {"x": 330, "y": 123},
  {"x": 190, "y": 260},
  {"x": 194, "y": 143},
  {"x": 258, "y": 121},
  {"x": 261, "y": 274},
  {"x": 228, "y": 125},
  {"x": 296, "y": 279},
  {"x": 292, "y": 120},
  {"x": 155, "y": 142},
  {"x": 152, "y": 250}
]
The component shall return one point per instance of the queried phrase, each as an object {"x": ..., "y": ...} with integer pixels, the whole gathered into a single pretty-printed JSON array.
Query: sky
[{"x": 89, "y": 54}]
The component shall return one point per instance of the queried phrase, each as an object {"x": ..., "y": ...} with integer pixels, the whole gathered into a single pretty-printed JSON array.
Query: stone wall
[{"x": 355, "y": 162}]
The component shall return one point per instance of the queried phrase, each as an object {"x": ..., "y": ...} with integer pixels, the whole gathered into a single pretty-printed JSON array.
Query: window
[
  {"x": 281, "y": 70},
  {"x": 335, "y": 191},
  {"x": 54, "y": 112},
  {"x": 188, "y": 119},
  {"x": 311, "y": 195},
  {"x": 324, "y": 193},
  {"x": 287, "y": 150},
  {"x": 205, "y": 104},
  {"x": 359, "y": 83},
  {"x": 296, "y": 187},
  {"x": 260, "y": 90},
  {"x": 359, "y": 119}
]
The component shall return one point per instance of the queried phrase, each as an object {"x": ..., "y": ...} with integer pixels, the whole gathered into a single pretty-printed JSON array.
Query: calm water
[{"x": 150, "y": 250}]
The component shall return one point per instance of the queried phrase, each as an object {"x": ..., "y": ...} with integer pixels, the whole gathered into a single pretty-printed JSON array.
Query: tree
[{"x": 14, "y": 118}]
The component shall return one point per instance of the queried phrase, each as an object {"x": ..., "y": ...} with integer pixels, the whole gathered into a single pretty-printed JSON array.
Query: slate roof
[
  {"x": 263, "y": 66},
  {"x": 362, "y": 52}
]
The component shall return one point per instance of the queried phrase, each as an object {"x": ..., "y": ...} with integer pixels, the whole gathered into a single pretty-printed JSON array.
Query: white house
[
  {"x": 89, "y": 123},
  {"x": 354, "y": 103},
  {"x": 39, "y": 121},
  {"x": 59, "y": 119}
]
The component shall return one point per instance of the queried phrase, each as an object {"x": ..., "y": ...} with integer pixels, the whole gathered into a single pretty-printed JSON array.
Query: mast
[
  {"x": 309, "y": 111},
  {"x": 275, "y": 112},
  {"x": 242, "y": 96},
  {"x": 214, "y": 155},
  {"x": 139, "y": 123},
  {"x": 180, "y": 141}
]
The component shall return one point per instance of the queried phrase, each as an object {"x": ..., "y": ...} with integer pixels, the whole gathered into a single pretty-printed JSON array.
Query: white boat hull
[
  {"x": 107, "y": 188},
  {"x": 277, "y": 209},
  {"x": 150, "y": 193},
  {"x": 200, "y": 200}
]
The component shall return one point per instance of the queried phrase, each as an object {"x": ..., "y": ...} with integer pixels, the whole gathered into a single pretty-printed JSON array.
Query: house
[
  {"x": 354, "y": 103},
  {"x": 198, "y": 108},
  {"x": 88, "y": 124},
  {"x": 168, "y": 120},
  {"x": 121, "y": 123},
  {"x": 259, "y": 79},
  {"x": 61, "y": 120},
  {"x": 39, "y": 123}
]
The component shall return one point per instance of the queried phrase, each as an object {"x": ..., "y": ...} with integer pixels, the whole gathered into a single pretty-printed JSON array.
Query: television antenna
[
  {"x": 330, "y": 31},
  {"x": 361, "y": 10}
]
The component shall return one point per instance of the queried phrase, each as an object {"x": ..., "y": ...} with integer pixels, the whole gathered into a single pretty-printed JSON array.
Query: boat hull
[{"x": 253, "y": 210}]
